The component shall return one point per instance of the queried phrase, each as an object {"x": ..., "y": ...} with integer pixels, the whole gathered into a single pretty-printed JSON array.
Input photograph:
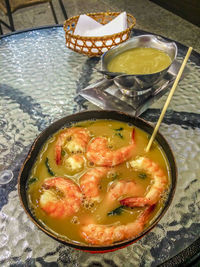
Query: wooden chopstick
[{"x": 168, "y": 99}]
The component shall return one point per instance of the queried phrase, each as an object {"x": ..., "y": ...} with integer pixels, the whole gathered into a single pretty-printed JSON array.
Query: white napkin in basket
[
  {"x": 86, "y": 26},
  {"x": 85, "y": 23}
]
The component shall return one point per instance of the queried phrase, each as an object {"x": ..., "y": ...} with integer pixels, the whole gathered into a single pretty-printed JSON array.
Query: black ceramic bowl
[{"x": 90, "y": 115}]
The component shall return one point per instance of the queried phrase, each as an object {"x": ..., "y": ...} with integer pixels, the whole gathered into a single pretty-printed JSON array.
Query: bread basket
[{"x": 96, "y": 46}]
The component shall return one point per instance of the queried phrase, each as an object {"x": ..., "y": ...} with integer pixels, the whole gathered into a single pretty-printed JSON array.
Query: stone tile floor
[{"x": 149, "y": 16}]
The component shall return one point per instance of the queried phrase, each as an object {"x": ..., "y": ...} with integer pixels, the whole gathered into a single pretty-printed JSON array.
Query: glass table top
[{"x": 39, "y": 80}]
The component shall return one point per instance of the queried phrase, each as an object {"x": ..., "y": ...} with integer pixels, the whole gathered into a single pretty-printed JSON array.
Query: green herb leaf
[
  {"x": 142, "y": 175},
  {"x": 78, "y": 125},
  {"x": 48, "y": 167},
  {"x": 117, "y": 211},
  {"x": 119, "y": 129},
  {"x": 119, "y": 135},
  {"x": 63, "y": 152},
  {"x": 32, "y": 180},
  {"x": 115, "y": 176}
]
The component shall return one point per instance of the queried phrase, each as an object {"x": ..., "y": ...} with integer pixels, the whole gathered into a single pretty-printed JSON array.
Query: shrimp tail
[
  {"x": 146, "y": 214},
  {"x": 134, "y": 202},
  {"x": 58, "y": 155}
]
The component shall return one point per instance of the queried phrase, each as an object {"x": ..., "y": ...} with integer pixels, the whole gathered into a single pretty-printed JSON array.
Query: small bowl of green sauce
[{"x": 140, "y": 62}]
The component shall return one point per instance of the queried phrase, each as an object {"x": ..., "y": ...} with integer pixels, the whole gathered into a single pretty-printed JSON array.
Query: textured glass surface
[{"x": 39, "y": 79}]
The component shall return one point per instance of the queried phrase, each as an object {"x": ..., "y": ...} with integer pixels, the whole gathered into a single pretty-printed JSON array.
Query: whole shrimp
[
  {"x": 97, "y": 234},
  {"x": 122, "y": 188},
  {"x": 90, "y": 182},
  {"x": 99, "y": 153},
  {"x": 157, "y": 188},
  {"x": 116, "y": 191},
  {"x": 74, "y": 140},
  {"x": 61, "y": 197}
]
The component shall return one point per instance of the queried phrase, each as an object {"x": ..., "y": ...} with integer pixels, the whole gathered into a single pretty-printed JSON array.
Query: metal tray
[{"x": 106, "y": 95}]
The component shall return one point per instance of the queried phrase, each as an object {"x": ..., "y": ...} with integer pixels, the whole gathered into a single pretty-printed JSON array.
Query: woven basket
[{"x": 96, "y": 46}]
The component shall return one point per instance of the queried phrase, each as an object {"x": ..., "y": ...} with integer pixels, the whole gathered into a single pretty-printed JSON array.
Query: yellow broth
[
  {"x": 141, "y": 60},
  {"x": 69, "y": 228}
]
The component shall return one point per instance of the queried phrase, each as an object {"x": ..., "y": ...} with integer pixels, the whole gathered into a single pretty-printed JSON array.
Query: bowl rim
[
  {"x": 159, "y": 38},
  {"x": 82, "y": 246}
]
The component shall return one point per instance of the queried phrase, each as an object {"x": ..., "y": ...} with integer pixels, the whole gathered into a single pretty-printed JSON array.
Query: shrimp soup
[{"x": 93, "y": 183}]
